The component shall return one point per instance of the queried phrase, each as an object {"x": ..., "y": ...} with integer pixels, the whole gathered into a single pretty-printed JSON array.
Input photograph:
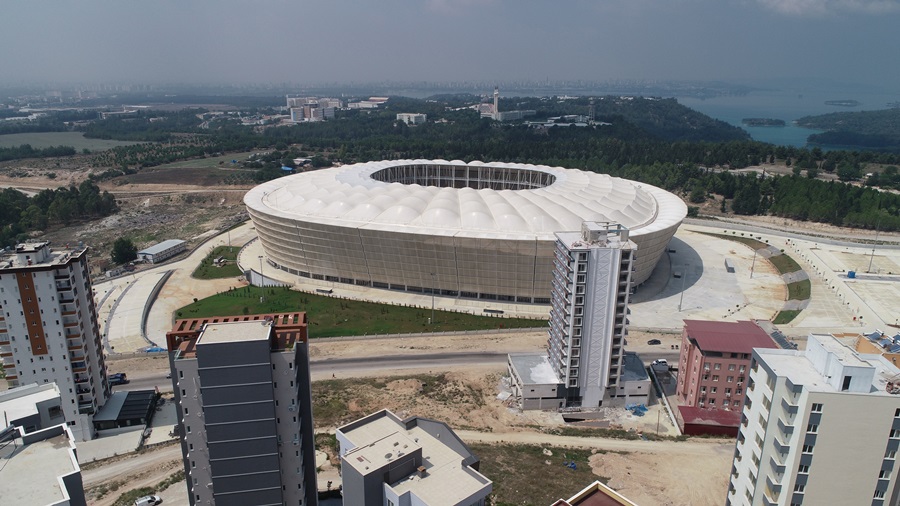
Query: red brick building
[{"x": 715, "y": 356}]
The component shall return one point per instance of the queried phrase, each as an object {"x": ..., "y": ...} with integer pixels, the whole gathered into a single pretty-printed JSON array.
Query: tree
[{"x": 123, "y": 250}]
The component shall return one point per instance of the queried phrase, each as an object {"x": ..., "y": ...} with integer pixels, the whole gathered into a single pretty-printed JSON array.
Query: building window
[
  {"x": 717, "y": 367},
  {"x": 879, "y": 494},
  {"x": 803, "y": 469},
  {"x": 883, "y": 475},
  {"x": 715, "y": 377},
  {"x": 731, "y": 367},
  {"x": 816, "y": 408},
  {"x": 730, "y": 379},
  {"x": 813, "y": 428},
  {"x": 895, "y": 433},
  {"x": 799, "y": 488},
  {"x": 713, "y": 390},
  {"x": 846, "y": 384},
  {"x": 890, "y": 454},
  {"x": 807, "y": 449}
]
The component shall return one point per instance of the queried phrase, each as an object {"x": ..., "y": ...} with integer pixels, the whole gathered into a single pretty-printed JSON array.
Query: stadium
[{"x": 473, "y": 230}]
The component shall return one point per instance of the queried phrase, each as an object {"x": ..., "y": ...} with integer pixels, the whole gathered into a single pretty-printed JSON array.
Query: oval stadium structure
[{"x": 474, "y": 230}]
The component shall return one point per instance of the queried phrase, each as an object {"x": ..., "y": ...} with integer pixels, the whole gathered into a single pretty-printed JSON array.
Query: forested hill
[{"x": 865, "y": 129}]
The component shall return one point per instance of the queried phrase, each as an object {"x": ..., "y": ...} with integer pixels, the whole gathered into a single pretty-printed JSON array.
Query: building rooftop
[
  {"x": 799, "y": 368},
  {"x": 30, "y": 473},
  {"x": 728, "y": 337},
  {"x": 633, "y": 367},
  {"x": 39, "y": 254},
  {"x": 596, "y": 494},
  {"x": 159, "y": 248},
  {"x": 383, "y": 437},
  {"x": 287, "y": 330},
  {"x": 20, "y": 402},
  {"x": 534, "y": 369},
  {"x": 231, "y": 332}
]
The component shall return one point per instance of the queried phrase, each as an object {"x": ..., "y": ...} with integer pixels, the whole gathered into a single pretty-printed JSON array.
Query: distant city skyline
[{"x": 278, "y": 41}]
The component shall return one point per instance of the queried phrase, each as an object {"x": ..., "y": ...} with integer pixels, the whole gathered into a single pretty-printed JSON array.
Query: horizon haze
[{"x": 278, "y": 41}]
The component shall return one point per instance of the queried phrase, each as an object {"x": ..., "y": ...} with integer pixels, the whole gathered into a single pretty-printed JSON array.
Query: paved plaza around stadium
[{"x": 838, "y": 303}]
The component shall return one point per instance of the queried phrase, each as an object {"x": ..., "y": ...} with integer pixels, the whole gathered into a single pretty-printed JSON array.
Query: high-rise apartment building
[
  {"x": 49, "y": 331},
  {"x": 242, "y": 390},
  {"x": 820, "y": 426},
  {"x": 589, "y": 307}
]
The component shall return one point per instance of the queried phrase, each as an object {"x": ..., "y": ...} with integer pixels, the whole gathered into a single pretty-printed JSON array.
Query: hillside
[{"x": 864, "y": 129}]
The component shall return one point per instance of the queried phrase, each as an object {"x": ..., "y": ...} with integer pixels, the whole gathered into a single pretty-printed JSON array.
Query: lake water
[{"x": 784, "y": 104}]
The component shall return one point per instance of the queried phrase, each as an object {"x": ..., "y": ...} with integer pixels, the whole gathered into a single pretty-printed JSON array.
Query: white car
[{"x": 148, "y": 500}]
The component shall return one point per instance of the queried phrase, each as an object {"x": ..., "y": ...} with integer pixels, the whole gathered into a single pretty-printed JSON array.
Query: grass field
[
  {"x": 786, "y": 316},
  {"x": 208, "y": 270},
  {"x": 524, "y": 475},
  {"x": 799, "y": 290},
  {"x": 785, "y": 264},
  {"x": 209, "y": 162},
  {"x": 330, "y": 317},
  {"x": 749, "y": 241},
  {"x": 47, "y": 139}
]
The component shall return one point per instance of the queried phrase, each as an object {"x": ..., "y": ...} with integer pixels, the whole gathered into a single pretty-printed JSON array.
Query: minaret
[{"x": 496, "y": 103}]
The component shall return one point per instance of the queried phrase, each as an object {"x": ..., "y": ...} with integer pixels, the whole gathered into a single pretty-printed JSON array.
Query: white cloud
[{"x": 801, "y": 7}]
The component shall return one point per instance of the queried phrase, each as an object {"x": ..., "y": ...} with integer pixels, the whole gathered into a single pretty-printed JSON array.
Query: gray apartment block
[
  {"x": 245, "y": 414},
  {"x": 411, "y": 462}
]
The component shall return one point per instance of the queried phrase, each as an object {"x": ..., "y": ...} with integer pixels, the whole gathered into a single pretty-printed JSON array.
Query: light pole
[
  {"x": 752, "y": 264},
  {"x": 262, "y": 277},
  {"x": 432, "y": 298}
]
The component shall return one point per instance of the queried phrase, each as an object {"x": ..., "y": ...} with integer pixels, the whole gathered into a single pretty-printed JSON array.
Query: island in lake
[
  {"x": 842, "y": 103},
  {"x": 757, "y": 122}
]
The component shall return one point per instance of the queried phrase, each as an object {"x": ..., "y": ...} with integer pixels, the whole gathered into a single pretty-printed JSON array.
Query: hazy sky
[{"x": 213, "y": 41}]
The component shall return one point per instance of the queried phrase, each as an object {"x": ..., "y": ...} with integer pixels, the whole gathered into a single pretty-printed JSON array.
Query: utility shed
[
  {"x": 162, "y": 251},
  {"x": 729, "y": 265},
  {"x": 534, "y": 382}
]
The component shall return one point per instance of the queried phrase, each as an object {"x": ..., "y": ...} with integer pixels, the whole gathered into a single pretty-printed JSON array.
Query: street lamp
[
  {"x": 432, "y": 298},
  {"x": 262, "y": 280}
]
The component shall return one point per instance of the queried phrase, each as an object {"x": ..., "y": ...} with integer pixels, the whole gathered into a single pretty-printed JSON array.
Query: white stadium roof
[{"x": 349, "y": 196}]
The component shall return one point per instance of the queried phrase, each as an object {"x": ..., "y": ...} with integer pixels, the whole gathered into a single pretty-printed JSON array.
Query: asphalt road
[{"x": 362, "y": 366}]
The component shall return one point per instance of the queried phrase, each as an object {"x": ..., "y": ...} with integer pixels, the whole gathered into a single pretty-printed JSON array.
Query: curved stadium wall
[{"x": 473, "y": 230}]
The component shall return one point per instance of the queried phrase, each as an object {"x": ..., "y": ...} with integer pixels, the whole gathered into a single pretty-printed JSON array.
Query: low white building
[
  {"x": 32, "y": 407},
  {"x": 533, "y": 381},
  {"x": 412, "y": 118},
  {"x": 820, "y": 426},
  {"x": 386, "y": 460},
  {"x": 162, "y": 251},
  {"x": 40, "y": 468}
]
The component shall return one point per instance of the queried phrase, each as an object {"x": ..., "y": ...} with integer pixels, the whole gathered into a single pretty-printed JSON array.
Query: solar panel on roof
[{"x": 895, "y": 348}]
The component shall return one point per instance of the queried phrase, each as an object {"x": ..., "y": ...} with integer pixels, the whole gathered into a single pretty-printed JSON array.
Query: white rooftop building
[
  {"x": 40, "y": 468},
  {"x": 421, "y": 462}
]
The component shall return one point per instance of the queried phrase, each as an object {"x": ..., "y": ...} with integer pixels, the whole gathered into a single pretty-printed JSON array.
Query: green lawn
[
  {"x": 786, "y": 316},
  {"x": 799, "y": 290},
  {"x": 47, "y": 139},
  {"x": 785, "y": 264},
  {"x": 208, "y": 270},
  {"x": 330, "y": 316},
  {"x": 523, "y": 476},
  {"x": 749, "y": 241},
  {"x": 210, "y": 162}
]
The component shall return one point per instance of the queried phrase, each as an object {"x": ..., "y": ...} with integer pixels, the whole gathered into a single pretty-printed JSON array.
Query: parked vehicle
[
  {"x": 119, "y": 378},
  {"x": 654, "y": 341},
  {"x": 660, "y": 365},
  {"x": 148, "y": 500}
]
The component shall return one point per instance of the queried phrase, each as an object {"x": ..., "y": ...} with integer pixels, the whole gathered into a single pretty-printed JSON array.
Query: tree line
[{"x": 21, "y": 214}]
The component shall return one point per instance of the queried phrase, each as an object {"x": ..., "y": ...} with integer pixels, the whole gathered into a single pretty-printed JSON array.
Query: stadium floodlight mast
[{"x": 432, "y": 298}]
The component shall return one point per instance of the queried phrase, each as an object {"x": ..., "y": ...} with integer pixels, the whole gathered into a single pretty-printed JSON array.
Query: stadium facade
[{"x": 473, "y": 230}]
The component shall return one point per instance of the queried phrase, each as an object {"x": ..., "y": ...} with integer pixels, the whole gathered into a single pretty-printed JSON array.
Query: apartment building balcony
[
  {"x": 778, "y": 466},
  {"x": 68, "y": 299},
  {"x": 780, "y": 445},
  {"x": 82, "y": 379},
  {"x": 86, "y": 397},
  {"x": 77, "y": 356},
  {"x": 786, "y": 428},
  {"x": 67, "y": 309},
  {"x": 75, "y": 344},
  {"x": 5, "y": 350},
  {"x": 63, "y": 284},
  {"x": 86, "y": 408},
  {"x": 789, "y": 403},
  {"x": 79, "y": 366}
]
